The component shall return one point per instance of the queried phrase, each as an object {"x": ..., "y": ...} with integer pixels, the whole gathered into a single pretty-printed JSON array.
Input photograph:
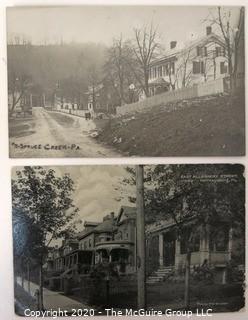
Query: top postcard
[{"x": 121, "y": 81}]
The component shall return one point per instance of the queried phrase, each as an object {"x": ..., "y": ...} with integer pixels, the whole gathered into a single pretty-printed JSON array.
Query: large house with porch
[
  {"x": 114, "y": 241},
  {"x": 199, "y": 61},
  {"x": 166, "y": 251}
]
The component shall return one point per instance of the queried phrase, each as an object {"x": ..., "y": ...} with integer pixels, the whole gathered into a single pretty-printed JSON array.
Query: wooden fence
[{"x": 203, "y": 89}]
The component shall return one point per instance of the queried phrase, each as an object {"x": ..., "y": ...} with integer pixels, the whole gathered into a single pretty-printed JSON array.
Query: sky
[
  {"x": 102, "y": 23},
  {"x": 98, "y": 190}
]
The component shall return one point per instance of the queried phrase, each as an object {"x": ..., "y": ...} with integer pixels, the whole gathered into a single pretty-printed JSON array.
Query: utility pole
[{"x": 141, "y": 263}]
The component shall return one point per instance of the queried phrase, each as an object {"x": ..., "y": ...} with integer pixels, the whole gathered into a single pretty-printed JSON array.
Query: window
[
  {"x": 194, "y": 243},
  {"x": 119, "y": 235},
  {"x": 150, "y": 73},
  {"x": 198, "y": 51},
  {"x": 223, "y": 68},
  {"x": 205, "y": 51},
  {"x": 198, "y": 67},
  {"x": 201, "y": 51},
  {"x": 89, "y": 243},
  {"x": 217, "y": 50},
  {"x": 219, "y": 240},
  {"x": 220, "y": 52}
]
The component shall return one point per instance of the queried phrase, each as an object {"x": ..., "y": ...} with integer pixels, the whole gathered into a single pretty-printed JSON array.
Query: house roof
[
  {"x": 105, "y": 226},
  {"x": 173, "y": 53},
  {"x": 91, "y": 223},
  {"x": 126, "y": 212},
  {"x": 84, "y": 233}
]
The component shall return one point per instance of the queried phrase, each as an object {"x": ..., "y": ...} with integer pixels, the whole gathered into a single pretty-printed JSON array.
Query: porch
[
  {"x": 120, "y": 253},
  {"x": 166, "y": 250}
]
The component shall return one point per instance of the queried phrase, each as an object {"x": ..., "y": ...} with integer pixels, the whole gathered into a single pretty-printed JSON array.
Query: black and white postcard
[
  {"x": 119, "y": 81},
  {"x": 128, "y": 240}
]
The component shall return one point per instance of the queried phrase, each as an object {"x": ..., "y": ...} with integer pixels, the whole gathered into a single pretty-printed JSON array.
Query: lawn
[
  {"x": 168, "y": 295},
  {"x": 207, "y": 126},
  {"x": 219, "y": 297}
]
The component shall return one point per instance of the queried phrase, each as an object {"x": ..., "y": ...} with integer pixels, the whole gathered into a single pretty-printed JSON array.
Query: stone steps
[{"x": 159, "y": 275}]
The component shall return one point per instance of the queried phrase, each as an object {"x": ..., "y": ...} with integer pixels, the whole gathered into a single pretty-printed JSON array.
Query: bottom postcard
[{"x": 128, "y": 240}]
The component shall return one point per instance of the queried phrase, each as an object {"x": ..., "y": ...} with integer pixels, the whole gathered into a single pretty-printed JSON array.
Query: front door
[{"x": 169, "y": 250}]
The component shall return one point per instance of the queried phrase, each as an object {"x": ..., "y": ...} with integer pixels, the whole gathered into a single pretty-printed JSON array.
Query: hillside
[
  {"x": 49, "y": 64},
  {"x": 207, "y": 126}
]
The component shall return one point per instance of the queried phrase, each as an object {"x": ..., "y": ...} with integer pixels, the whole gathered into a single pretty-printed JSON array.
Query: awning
[{"x": 112, "y": 246}]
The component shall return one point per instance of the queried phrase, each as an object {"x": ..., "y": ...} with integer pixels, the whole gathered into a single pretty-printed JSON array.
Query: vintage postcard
[
  {"x": 128, "y": 240},
  {"x": 112, "y": 81}
]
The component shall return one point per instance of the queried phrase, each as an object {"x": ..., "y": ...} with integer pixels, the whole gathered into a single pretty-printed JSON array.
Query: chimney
[
  {"x": 112, "y": 214},
  {"x": 208, "y": 30},
  {"x": 173, "y": 44}
]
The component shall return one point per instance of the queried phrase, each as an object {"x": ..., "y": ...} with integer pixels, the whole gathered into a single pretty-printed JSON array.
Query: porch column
[
  {"x": 177, "y": 253},
  {"x": 204, "y": 244},
  {"x": 230, "y": 243},
  {"x": 161, "y": 249}
]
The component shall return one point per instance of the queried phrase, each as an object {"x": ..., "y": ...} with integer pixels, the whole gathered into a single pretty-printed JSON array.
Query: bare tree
[
  {"x": 145, "y": 49},
  {"x": 181, "y": 77},
  {"x": 93, "y": 78},
  {"x": 222, "y": 19},
  {"x": 117, "y": 70},
  {"x": 18, "y": 86}
]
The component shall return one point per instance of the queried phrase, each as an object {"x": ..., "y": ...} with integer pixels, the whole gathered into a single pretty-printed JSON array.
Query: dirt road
[{"x": 52, "y": 134}]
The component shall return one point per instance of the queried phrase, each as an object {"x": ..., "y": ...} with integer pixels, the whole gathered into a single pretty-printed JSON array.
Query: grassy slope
[{"x": 209, "y": 126}]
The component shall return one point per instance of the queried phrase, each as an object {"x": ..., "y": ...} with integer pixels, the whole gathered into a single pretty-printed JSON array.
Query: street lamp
[
  {"x": 131, "y": 91},
  {"x": 131, "y": 86}
]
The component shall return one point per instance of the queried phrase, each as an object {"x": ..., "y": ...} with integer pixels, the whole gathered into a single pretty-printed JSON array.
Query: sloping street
[
  {"x": 52, "y": 300},
  {"x": 51, "y": 134}
]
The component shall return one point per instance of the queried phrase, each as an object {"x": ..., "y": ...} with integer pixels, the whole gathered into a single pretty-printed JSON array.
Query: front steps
[{"x": 160, "y": 275}]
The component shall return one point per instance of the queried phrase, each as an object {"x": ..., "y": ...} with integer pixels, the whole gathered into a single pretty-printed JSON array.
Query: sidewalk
[{"x": 53, "y": 300}]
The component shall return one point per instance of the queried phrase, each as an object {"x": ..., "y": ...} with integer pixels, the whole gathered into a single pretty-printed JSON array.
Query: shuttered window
[
  {"x": 205, "y": 51},
  {"x": 198, "y": 67},
  {"x": 220, "y": 52},
  {"x": 223, "y": 68},
  {"x": 198, "y": 51},
  {"x": 201, "y": 51}
]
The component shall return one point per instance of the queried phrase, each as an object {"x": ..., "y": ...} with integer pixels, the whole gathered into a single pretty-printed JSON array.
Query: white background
[{"x": 6, "y": 267}]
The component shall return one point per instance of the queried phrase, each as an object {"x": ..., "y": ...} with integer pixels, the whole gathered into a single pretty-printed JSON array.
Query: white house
[{"x": 199, "y": 61}]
